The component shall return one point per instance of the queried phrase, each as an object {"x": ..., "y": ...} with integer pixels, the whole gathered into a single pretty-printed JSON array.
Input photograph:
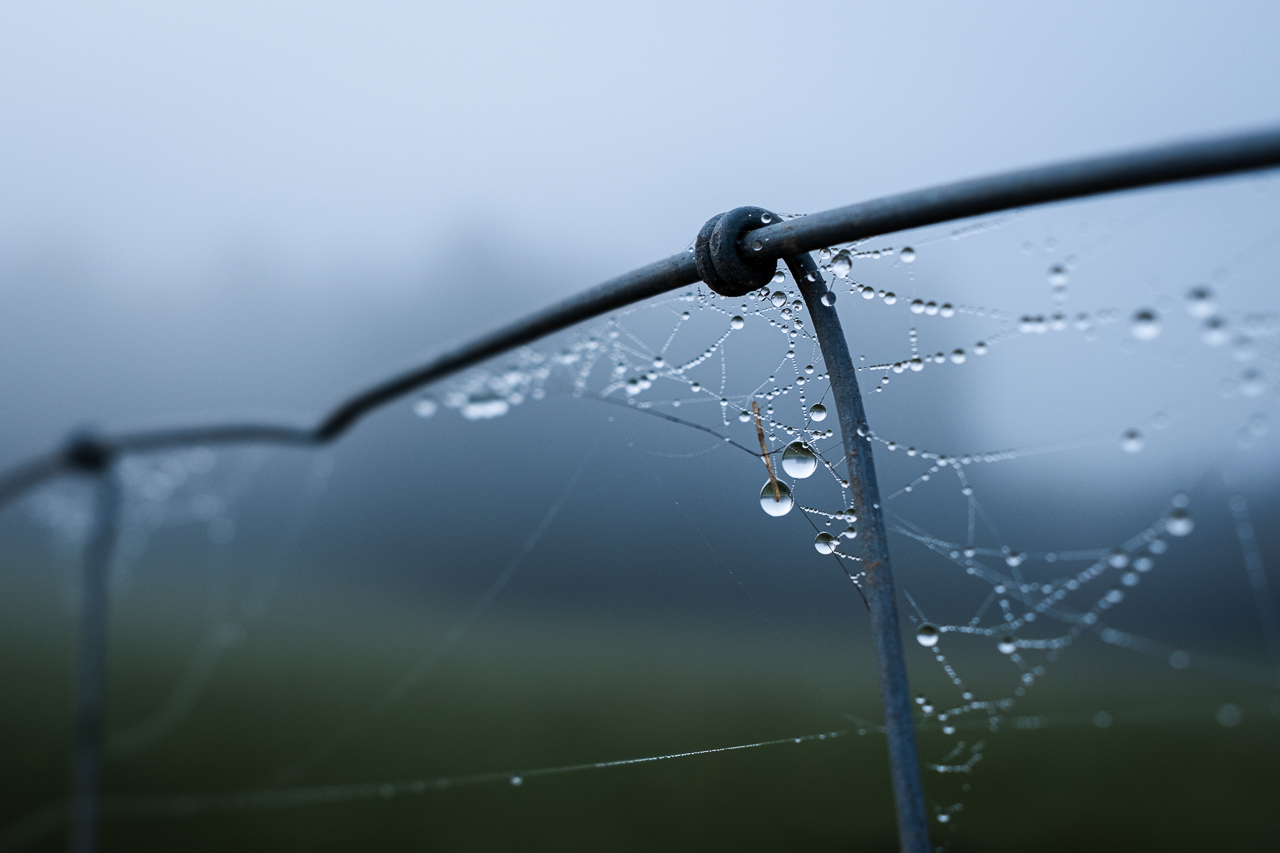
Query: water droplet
[
  {"x": 946, "y": 310},
  {"x": 766, "y": 218},
  {"x": 736, "y": 322},
  {"x": 841, "y": 264},
  {"x": 908, "y": 254},
  {"x": 1229, "y": 715},
  {"x": 772, "y": 505},
  {"x": 779, "y": 277},
  {"x": 756, "y": 245},
  {"x": 1214, "y": 332},
  {"x": 1131, "y": 441},
  {"x": 917, "y": 306},
  {"x": 1179, "y": 522},
  {"x": 1007, "y": 646},
  {"x": 1057, "y": 275},
  {"x": 850, "y": 532},
  {"x": 818, "y": 412},
  {"x": 517, "y": 781},
  {"x": 825, "y": 543},
  {"x": 829, "y": 298},
  {"x": 1145, "y": 324},
  {"x": 917, "y": 364},
  {"x": 947, "y": 730},
  {"x": 930, "y": 308},
  {"x": 799, "y": 461},
  {"x": 1013, "y": 559},
  {"x": 1129, "y": 579},
  {"x": 744, "y": 417},
  {"x": 1200, "y": 302},
  {"x": 778, "y": 299},
  {"x": 481, "y": 407},
  {"x": 927, "y": 635},
  {"x": 868, "y": 293},
  {"x": 890, "y": 298},
  {"x": 944, "y": 818},
  {"x": 808, "y": 368},
  {"x": 425, "y": 407},
  {"x": 958, "y": 356},
  {"x": 1252, "y": 383},
  {"x": 980, "y": 348},
  {"x": 684, "y": 315},
  {"x": 1118, "y": 559}
]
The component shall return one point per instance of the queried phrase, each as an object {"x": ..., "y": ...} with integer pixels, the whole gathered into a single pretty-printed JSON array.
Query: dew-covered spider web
[{"x": 631, "y": 546}]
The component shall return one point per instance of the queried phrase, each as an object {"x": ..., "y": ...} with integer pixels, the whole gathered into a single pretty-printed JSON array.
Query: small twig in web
[{"x": 764, "y": 453}]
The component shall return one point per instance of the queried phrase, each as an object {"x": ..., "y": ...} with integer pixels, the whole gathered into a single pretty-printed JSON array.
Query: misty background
[{"x": 249, "y": 211}]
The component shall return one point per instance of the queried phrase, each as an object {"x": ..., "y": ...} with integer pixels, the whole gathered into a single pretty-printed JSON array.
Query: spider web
[{"x": 999, "y": 365}]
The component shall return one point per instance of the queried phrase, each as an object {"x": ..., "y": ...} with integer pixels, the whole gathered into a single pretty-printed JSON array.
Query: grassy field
[{"x": 525, "y": 691}]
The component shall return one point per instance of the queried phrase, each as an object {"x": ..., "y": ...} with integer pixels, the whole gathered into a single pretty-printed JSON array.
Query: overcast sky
[{"x": 250, "y": 207}]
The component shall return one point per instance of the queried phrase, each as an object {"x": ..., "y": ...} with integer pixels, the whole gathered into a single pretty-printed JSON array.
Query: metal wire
[
  {"x": 790, "y": 240},
  {"x": 1169, "y": 164}
]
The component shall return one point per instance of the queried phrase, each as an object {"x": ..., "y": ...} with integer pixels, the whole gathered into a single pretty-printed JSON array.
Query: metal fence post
[
  {"x": 873, "y": 548},
  {"x": 732, "y": 268},
  {"x": 95, "y": 459}
]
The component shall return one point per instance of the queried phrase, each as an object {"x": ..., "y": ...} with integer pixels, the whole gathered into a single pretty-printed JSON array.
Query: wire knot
[
  {"x": 724, "y": 256},
  {"x": 88, "y": 453}
]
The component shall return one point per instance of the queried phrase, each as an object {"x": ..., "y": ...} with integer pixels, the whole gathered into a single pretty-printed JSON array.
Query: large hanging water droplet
[
  {"x": 799, "y": 461},
  {"x": 773, "y": 505},
  {"x": 736, "y": 322},
  {"x": 841, "y": 264},
  {"x": 958, "y": 356},
  {"x": 1145, "y": 324},
  {"x": 1131, "y": 441},
  {"x": 778, "y": 299},
  {"x": 927, "y": 635},
  {"x": 1179, "y": 522},
  {"x": 917, "y": 306},
  {"x": 818, "y": 412},
  {"x": 1006, "y": 646},
  {"x": 825, "y": 543},
  {"x": 425, "y": 407},
  {"x": 908, "y": 254}
]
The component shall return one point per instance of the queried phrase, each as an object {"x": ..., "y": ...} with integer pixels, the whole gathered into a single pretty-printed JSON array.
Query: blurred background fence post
[{"x": 96, "y": 460}]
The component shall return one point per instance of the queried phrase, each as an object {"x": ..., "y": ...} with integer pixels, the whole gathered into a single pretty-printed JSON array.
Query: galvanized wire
[{"x": 790, "y": 240}]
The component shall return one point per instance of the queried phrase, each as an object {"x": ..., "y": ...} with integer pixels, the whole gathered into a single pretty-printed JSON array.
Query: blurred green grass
[{"x": 527, "y": 690}]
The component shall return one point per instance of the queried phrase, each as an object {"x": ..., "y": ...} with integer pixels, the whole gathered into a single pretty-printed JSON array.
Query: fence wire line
[
  {"x": 730, "y": 267},
  {"x": 979, "y": 197}
]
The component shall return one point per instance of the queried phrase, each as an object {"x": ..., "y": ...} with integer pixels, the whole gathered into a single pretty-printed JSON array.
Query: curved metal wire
[{"x": 1168, "y": 164}]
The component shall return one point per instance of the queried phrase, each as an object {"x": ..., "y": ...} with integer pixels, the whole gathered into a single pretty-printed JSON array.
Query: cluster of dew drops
[{"x": 636, "y": 366}]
